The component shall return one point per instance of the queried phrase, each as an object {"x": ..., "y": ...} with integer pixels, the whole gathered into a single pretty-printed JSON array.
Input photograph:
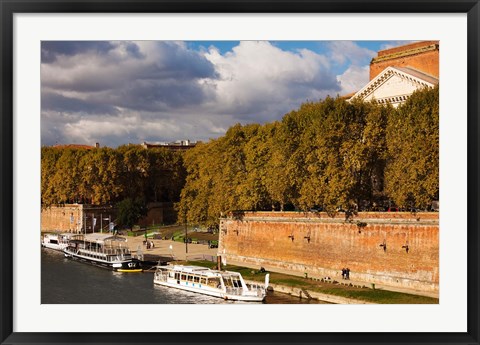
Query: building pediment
[{"x": 394, "y": 85}]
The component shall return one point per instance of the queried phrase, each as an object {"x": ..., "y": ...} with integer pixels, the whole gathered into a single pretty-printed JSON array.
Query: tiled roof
[{"x": 416, "y": 73}]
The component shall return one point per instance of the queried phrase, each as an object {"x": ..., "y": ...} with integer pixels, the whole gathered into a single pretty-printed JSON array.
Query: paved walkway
[{"x": 170, "y": 248}]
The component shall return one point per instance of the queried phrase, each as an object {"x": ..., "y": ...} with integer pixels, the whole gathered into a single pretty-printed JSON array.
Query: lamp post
[{"x": 186, "y": 234}]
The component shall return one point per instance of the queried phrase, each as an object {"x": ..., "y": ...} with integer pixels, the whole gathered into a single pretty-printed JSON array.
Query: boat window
[
  {"x": 227, "y": 281},
  {"x": 190, "y": 278},
  {"x": 177, "y": 276},
  {"x": 183, "y": 277},
  {"x": 213, "y": 282},
  {"x": 203, "y": 280},
  {"x": 196, "y": 279}
]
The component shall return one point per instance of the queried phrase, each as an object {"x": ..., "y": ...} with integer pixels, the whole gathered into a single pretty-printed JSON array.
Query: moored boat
[
  {"x": 56, "y": 241},
  {"x": 223, "y": 284},
  {"x": 103, "y": 250}
]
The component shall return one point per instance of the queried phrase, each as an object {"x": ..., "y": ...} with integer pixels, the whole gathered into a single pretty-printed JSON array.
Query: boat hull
[
  {"x": 219, "y": 294},
  {"x": 58, "y": 247},
  {"x": 125, "y": 266}
]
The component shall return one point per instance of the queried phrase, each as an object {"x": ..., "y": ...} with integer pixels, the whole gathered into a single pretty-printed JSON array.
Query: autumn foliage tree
[
  {"x": 105, "y": 176},
  {"x": 412, "y": 171},
  {"x": 332, "y": 155}
]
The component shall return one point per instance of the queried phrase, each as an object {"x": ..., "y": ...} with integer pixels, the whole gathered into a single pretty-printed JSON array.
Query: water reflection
[{"x": 71, "y": 282}]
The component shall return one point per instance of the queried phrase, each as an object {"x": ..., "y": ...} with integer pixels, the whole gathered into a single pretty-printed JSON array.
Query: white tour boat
[
  {"x": 103, "y": 250},
  {"x": 56, "y": 241},
  {"x": 223, "y": 284}
]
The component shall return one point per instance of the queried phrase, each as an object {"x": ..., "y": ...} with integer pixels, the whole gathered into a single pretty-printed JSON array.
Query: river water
[{"x": 71, "y": 282}]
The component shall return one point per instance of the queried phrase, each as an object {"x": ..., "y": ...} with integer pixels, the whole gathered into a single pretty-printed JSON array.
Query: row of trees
[
  {"x": 106, "y": 176},
  {"x": 326, "y": 154}
]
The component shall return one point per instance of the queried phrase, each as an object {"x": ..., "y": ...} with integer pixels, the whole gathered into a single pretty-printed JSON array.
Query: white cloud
[
  {"x": 342, "y": 52},
  {"x": 354, "y": 78},
  {"x": 395, "y": 44},
  {"x": 259, "y": 80},
  {"x": 120, "y": 92}
]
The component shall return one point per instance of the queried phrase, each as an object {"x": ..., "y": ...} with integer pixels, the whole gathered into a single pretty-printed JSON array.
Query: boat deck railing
[
  {"x": 104, "y": 253},
  {"x": 105, "y": 250},
  {"x": 161, "y": 277},
  {"x": 239, "y": 291},
  {"x": 120, "y": 255}
]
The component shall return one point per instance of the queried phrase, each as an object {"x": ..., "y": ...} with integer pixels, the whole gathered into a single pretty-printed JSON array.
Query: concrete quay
[
  {"x": 345, "y": 282},
  {"x": 176, "y": 250}
]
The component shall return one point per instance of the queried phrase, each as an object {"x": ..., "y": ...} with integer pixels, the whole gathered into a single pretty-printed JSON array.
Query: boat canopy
[
  {"x": 102, "y": 238},
  {"x": 190, "y": 268}
]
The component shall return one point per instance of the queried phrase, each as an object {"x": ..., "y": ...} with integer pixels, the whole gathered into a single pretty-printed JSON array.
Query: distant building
[
  {"x": 397, "y": 72},
  {"x": 179, "y": 145}
]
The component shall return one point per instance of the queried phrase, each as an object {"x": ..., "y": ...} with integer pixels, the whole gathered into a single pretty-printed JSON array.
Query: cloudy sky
[{"x": 120, "y": 92}]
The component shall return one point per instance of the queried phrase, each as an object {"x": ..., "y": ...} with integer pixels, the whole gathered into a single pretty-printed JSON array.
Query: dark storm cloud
[
  {"x": 59, "y": 103},
  {"x": 107, "y": 67},
  {"x": 134, "y": 50},
  {"x": 178, "y": 62},
  {"x": 51, "y": 49},
  {"x": 119, "y": 92}
]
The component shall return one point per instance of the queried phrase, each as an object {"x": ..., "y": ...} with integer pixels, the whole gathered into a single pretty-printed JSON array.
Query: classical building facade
[{"x": 397, "y": 72}]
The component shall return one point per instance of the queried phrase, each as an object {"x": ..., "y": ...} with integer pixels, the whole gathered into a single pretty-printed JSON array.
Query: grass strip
[{"x": 378, "y": 296}]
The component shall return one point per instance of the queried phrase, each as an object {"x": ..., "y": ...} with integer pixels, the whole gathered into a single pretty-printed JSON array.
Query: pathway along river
[{"x": 71, "y": 282}]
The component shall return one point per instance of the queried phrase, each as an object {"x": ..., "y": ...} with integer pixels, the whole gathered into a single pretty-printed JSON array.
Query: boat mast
[
  {"x": 186, "y": 235},
  {"x": 84, "y": 229}
]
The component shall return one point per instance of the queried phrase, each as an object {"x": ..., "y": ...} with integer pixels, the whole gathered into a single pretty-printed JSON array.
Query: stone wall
[
  {"x": 71, "y": 217},
  {"x": 423, "y": 56},
  {"x": 62, "y": 218},
  {"x": 159, "y": 213},
  {"x": 74, "y": 217},
  {"x": 372, "y": 245}
]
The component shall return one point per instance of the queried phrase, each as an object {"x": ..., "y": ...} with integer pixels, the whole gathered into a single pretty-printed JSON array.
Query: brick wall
[
  {"x": 58, "y": 218},
  {"x": 425, "y": 60},
  {"x": 321, "y": 246},
  {"x": 71, "y": 217}
]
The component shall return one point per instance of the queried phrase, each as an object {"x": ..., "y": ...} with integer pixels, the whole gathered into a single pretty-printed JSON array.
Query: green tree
[
  {"x": 101, "y": 177},
  {"x": 135, "y": 168},
  {"x": 412, "y": 171},
  {"x": 166, "y": 175},
  {"x": 258, "y": 150},
  {"x": 197, "y": 195},
  {"x": 49, "y": 158},
  {"x": 282, "y": 169},
  {"x": 130, "y": 211},
  {"x": 68, "y": 175}
]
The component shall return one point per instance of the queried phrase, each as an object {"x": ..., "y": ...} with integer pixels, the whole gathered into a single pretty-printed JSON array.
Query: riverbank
[
  {"x": 351, "y": 283},
  {"x": 331, "y": 291}
]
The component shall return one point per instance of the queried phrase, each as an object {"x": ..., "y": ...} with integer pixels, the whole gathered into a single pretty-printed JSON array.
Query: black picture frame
[{"x": 10, "y": 7}]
